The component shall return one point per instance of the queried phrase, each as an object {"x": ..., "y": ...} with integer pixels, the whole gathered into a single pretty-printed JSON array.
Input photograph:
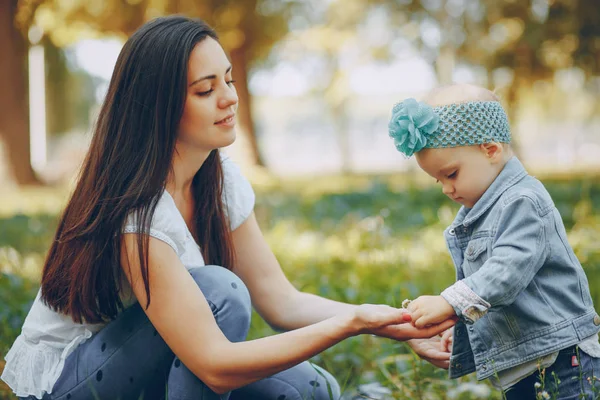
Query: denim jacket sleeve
[
  {"x": 518, "y": 252},
  {"x": 466, "y": 303}
]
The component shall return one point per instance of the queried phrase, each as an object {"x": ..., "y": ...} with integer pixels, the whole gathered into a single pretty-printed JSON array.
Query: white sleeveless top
[{"x": 36, "y": 358}]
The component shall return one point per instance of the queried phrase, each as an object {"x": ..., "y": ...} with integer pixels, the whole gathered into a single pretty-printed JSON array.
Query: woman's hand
[
  {"x": 404, "y": 332},
  {"x": 447, "y": 340},
  {"x": 430, "y": 350},
  {"x": 370, "y": 318}
]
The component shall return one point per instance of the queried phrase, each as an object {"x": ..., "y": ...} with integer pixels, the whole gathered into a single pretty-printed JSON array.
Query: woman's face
[{"x": 208, "y": 120}]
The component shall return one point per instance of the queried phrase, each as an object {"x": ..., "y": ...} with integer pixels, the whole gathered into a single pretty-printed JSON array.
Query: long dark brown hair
[{"x": 125, "y": 171}]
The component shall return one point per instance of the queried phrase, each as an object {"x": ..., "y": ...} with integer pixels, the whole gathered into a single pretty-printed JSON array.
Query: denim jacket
[{"x": 511, "y": 251}]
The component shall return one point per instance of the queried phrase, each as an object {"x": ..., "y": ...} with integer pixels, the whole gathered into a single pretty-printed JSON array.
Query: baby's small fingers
[
  {"x": 422, "y": 322},
  {"x": 415, "y": 315}
]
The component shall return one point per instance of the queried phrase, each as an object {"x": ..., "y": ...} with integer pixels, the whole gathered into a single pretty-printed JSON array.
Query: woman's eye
[
  {"x": 205, "y": 93},
  {"x": 231, "y": 82}
]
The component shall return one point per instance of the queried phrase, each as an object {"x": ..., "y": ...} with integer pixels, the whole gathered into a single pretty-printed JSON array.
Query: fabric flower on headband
[{"x": 411, "y": 124}]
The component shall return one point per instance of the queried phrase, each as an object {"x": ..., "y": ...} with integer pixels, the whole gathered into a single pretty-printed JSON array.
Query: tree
[
  {"x": 331, "y": 32},
  {"x": 248, "y": 29},
  {"x": 14, "y": 124},
  {"x": 531, "y": 39},
  {"x": 535, "y": 39},
  {"x": 528, "y": 41}
]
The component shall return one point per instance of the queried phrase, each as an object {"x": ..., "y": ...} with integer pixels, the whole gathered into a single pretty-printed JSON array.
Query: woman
[{"x": 127, "y": 301}]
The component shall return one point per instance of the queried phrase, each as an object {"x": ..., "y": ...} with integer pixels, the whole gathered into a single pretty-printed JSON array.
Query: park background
[{"x": 347, "y": 216}]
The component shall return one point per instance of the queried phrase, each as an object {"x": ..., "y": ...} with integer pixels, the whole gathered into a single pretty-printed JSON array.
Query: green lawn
[{"x": 355, "y": 239}]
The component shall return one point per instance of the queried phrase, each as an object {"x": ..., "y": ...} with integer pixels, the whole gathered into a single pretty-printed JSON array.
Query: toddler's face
[{"x": 464, "y": 172}]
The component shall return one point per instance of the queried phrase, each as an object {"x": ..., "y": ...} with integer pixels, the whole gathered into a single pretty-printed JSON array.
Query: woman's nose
[{"x": 229, "y": 97}]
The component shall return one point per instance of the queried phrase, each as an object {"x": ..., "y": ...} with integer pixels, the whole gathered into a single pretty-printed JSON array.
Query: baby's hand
[{"x": 427, "y": 310}]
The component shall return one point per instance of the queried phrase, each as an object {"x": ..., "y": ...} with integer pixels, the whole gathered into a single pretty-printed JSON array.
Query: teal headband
[{"x": 416, "y": 125}]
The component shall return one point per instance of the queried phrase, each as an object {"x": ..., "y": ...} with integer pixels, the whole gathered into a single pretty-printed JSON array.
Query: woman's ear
[{"x": 493, "y": 151}]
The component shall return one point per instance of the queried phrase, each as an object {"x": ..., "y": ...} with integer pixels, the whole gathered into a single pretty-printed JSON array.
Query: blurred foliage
[
  {"x": 531, "y": 37},
  {"x": 67, "y": 110},
  {"x": 253, "y": 24},
  {"x": 247, "y": 30},
  {"x": 375, "y": 239},
  {"x": 511, "y": 46},
  {"x": 514, "y": 44}
]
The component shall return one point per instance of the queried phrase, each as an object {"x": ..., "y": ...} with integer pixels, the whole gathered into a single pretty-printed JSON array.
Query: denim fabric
[
  {"x": 572, "y": 376},
  {"x": 511, "y": 249},
  {"x": 128, "y": 359}
]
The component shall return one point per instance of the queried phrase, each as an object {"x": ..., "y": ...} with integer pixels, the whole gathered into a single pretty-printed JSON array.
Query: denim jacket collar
[{"x": 512, "y": 173}]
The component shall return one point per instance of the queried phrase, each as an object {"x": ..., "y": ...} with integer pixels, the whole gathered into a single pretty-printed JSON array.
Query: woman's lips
[{"x": 227, "y": 121}]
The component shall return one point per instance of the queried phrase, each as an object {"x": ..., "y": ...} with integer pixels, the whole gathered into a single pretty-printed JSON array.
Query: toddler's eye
[{"x": 452, "y": 175}]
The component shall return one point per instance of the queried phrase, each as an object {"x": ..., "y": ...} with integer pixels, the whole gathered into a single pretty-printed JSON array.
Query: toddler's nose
[{"x": 447, "y": 189}]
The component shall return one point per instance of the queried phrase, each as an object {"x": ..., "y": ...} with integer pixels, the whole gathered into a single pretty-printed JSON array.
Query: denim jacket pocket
[{"x": 476, "y": 255}]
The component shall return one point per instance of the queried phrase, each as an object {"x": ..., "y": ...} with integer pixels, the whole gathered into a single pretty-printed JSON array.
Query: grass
[{"x": 365, "y": 239}]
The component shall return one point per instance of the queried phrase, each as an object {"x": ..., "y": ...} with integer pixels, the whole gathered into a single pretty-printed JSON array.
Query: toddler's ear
[{"x": 493, "y": 151}]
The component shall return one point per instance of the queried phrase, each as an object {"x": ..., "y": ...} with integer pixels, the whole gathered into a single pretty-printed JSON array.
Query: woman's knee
[
  {"x": 328, "y": 385},
  {"x": 305, "y": 381},
  {"x": 228, "y": 298}
]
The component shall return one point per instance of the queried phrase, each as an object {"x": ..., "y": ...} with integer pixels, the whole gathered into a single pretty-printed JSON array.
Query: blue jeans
[
  {"x": 128, "y": 359},
  {"x": 575, "y": 371}
]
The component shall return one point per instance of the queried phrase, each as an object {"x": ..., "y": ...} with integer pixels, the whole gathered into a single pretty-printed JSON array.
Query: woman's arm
[
  {"x": 282, "y": 305},
  {"x": 180, "y": 313}
]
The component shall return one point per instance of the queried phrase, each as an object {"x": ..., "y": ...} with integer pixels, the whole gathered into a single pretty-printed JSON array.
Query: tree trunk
[
  {"x": 245, "y": 148},
  {"x": 14, "y": 124}
]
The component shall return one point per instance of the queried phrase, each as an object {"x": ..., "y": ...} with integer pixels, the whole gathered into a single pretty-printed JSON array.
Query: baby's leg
[
  {"x": 570, "y": 377},
  {"x": 305, "y": 381},
  {"x": 575, "y": 370}
]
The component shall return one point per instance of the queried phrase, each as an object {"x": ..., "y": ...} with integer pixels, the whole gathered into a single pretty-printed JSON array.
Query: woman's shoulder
[{"x": 166, "y": 224}]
